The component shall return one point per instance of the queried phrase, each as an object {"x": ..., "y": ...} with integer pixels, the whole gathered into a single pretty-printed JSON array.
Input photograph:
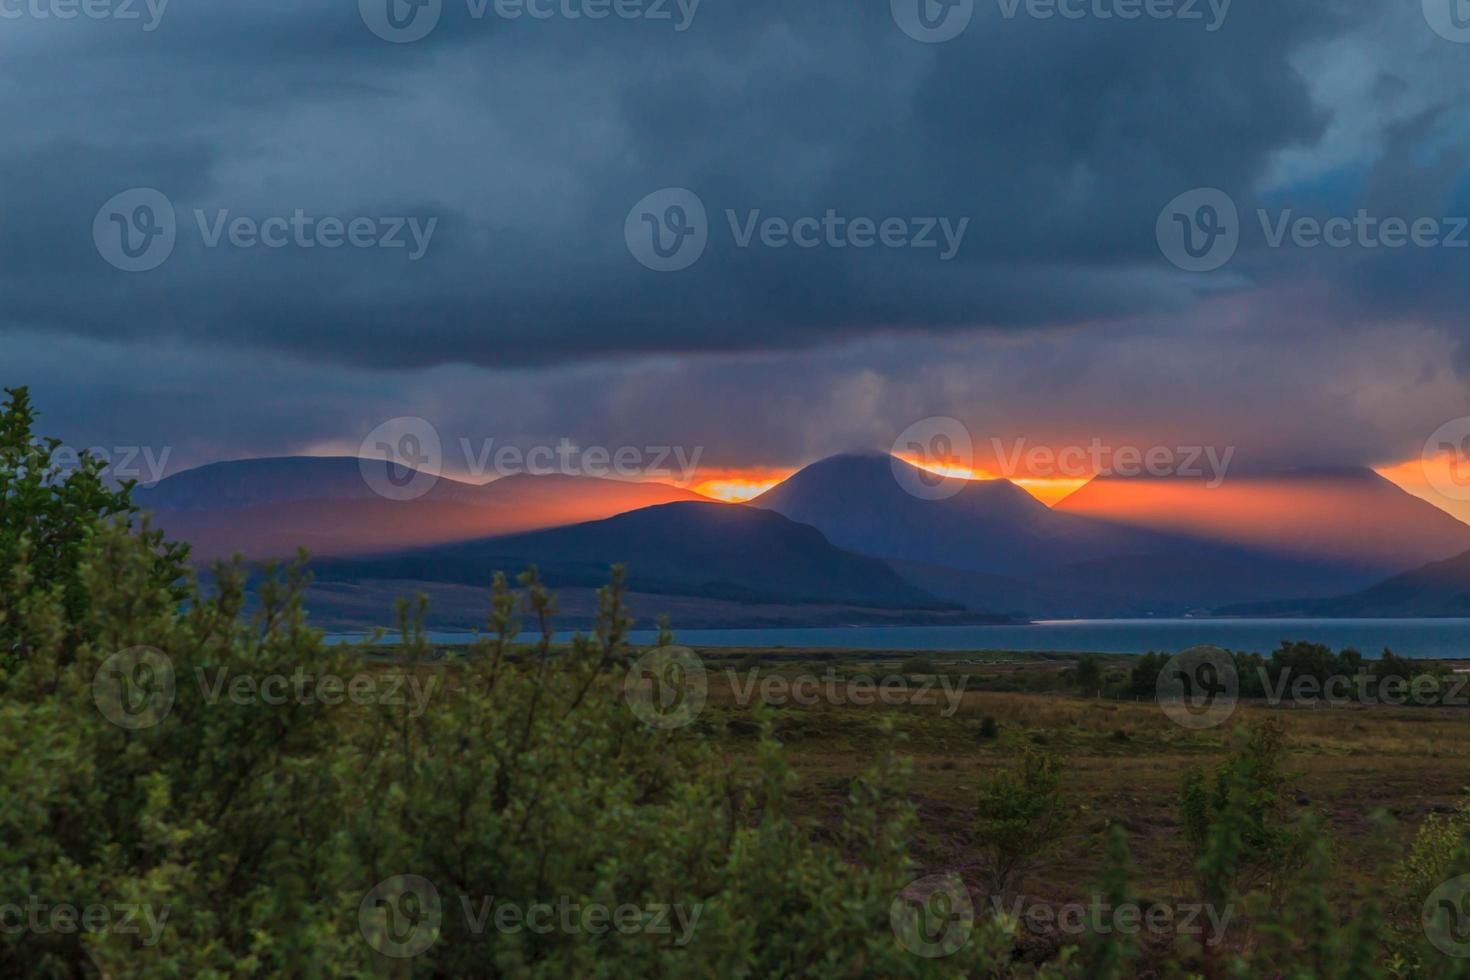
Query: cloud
[{"x": 528, "y": 141}]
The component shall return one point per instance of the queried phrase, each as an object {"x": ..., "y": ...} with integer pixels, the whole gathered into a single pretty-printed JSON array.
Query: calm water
[{"x": 1406, "y": 637}]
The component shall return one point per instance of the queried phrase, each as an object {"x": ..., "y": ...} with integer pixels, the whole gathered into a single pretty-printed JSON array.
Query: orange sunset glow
[
  {"x": 1048, "y": 490},
  {"x": 1428, "y": 480},
  {"x": 738, "y": 486}
]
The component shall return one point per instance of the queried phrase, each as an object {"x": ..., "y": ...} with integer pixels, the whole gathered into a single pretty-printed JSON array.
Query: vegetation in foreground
[{"x": 189, "y": 791}]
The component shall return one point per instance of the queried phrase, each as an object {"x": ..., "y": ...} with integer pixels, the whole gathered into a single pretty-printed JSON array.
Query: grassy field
[{"x": 1125, "y": 759}]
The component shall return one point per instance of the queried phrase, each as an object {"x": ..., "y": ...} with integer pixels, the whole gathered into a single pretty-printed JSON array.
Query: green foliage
[
  {"x": 1019, "y": 815},
  {"x": 1144, "y": 679},
  {"x": 51, "y": 514},
  {"x": 1089, "y": 676},
  {"x": 263, "y": 836},
  {"x": 918, "y": 664},
  {"x": 1236, "y": 824},
  {"x": 1110, "y": 952}
]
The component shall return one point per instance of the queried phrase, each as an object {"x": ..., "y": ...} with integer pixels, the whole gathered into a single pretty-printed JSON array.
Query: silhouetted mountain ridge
[{"x": 720, "y": 551}]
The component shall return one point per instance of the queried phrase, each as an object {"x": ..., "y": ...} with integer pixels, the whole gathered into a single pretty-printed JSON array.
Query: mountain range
[
  {"x": 268, "y": 508},
  {"x": 844, "y": 533}
]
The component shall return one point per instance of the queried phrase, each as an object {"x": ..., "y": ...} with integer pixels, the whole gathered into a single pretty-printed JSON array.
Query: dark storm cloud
[{"x": 529, "y": 141}]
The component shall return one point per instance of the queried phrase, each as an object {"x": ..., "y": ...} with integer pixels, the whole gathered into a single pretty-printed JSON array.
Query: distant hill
[
  {"x": 270, "y": 507},
  {"x": 1349, "y": 519},
  {"x": 251, "y": 482},
  {"x": 990, "y": 526},
  {"x": 1125, "y": 547},
  {"x": 1440, "y": 588},
  {"x": 710, "y": 550}
]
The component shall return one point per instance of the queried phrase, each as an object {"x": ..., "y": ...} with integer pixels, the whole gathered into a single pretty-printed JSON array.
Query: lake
[{"x": 1444, "y": 638}]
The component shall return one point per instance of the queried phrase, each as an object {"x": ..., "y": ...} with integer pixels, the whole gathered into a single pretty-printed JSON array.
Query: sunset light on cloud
[{"x": 739, "y": 486}]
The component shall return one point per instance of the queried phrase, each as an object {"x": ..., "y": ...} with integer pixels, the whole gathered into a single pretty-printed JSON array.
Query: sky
[{"x": 233, "y": 230}]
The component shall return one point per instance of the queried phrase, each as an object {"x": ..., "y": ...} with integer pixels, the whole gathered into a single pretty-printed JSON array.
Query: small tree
[
  {"x": 1144, "y": 678},
  {"x": 52, "y": 514},
  {"x": 1089, "y": 676},
  {"x": 1236, "y": 823},
  {"x": 1019, "y": 816}
]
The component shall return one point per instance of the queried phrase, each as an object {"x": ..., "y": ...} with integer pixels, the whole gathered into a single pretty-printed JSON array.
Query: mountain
[
  {"x": 1440, "y": 588},
  {"x": 711, "y": 550},
  {"x": 1350, "y": 519},
  {"x": 990, "y": 526},
  {"x": 268, "y": 508},
  {"x": 252, "y": 482},
  {"x": 1125, "y": 547}
]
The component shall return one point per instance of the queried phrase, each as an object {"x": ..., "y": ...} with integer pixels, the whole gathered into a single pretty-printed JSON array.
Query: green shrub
[{"x": 1019, "y": 816}]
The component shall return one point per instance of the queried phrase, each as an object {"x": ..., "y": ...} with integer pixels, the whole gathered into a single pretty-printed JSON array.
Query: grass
[{"x": 1125, "y": 759}]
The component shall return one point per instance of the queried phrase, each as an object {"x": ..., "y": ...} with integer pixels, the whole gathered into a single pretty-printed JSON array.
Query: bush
[
  {"x": 1089, "y": 677},
  {"x": 988, "y": 728},
  {"x": 297, "y": 838},
  {"x": 1019, "y": 815},
  {"x": 918, "y": 664}
]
